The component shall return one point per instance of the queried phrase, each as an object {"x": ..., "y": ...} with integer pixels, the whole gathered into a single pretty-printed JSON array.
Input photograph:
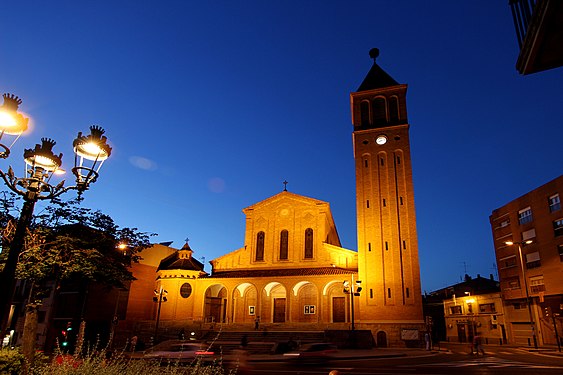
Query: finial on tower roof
[
  {"x": 285, "y": 185},
  {"x": 374, "y": 53}
]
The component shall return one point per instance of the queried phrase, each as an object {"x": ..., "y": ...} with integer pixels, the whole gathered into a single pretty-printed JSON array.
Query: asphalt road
[{"x": 498, "y": 360}]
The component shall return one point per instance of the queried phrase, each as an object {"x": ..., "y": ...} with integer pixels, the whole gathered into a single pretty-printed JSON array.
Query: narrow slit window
[
  {"x": 386, "y": 245},
  {"x": 367, "y": 203},
  {"x": 401, "y": 200},
  {"x": 369, "y": 246},
  {"x": 284, "y": 236},
  {"x": 371, "y": 293},
  {"x": 308, "y": 243},
  {"x": 382, "y": 161},
  {"x": 260, "y": 246},
  {"x": 388, "y": 292},
  {"x": 384, "y": 203},
  {"x": 404, "y": 244},
  {"x": 407, "y": 292},
  {"x": 398, "y": 160},
  {"x": 366, "y": 163}
]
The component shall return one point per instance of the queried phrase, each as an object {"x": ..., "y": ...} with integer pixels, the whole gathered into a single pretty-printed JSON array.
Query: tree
[{"x": 67, "y": 242}]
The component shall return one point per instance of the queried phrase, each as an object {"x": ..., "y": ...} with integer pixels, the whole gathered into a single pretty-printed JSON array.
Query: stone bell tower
[{"x": 387, "y": 241}]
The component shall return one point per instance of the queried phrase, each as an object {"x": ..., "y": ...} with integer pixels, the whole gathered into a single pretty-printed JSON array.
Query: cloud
[
  {"x": 143, "y": 163},
  {"x": 216, "y": 185}
]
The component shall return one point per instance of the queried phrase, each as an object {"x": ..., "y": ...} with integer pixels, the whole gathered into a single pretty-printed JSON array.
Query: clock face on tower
[{"x": 381, "y": 140}]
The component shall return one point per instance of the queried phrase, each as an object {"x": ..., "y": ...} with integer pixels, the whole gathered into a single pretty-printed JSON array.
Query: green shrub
[{"x": 11, "y": 361}]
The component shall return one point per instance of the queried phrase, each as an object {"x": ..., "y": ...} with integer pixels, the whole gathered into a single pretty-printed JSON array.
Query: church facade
[{"x": 292, "y": 272}]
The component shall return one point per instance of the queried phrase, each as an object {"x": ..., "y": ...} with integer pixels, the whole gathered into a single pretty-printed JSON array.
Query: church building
[{"x": 291, "y": 272}]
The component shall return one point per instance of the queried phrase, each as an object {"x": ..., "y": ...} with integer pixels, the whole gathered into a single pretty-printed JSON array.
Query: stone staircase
[{"x": 260, "y": 341}]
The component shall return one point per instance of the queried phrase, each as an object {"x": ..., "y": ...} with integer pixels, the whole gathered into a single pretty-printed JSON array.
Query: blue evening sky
[{"x": 211, "y": 105}]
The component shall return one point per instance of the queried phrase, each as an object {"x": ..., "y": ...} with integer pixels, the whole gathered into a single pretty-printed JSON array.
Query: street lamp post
[
  {"x": 41, "y": 164},
  {"x": 532, "y": 324},
  {"x": 159, "y": 297},
  {"x": 353, "y": 289}
]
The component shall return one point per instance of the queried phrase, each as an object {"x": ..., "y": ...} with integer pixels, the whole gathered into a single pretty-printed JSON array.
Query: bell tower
[{"x": 388, "y": 263}]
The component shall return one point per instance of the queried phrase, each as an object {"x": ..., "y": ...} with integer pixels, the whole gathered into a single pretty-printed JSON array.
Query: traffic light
[{"x": 65, "y": 333}]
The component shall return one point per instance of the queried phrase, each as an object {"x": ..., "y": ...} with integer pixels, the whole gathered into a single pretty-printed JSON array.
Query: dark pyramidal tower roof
[{"x": 376, "y": 78}]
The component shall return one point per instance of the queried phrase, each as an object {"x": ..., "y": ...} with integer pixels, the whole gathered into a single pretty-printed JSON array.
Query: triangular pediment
[{"x": 287, "y": 198}]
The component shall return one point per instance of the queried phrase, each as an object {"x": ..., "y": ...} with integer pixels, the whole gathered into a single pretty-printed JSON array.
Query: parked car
[
  {"x": 313, "y": 353},
  {"x": 179, "y": 351}
]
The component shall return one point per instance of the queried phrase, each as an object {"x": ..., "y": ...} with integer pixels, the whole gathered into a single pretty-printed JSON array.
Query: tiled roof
[
  {"x": 286, "y": 272},
  {"x": 173, "y": 262},
  {"x": 376, "y": 78}
]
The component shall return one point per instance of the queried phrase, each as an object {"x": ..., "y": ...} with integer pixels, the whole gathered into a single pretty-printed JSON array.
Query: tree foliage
[{"x": 69, "y": 242}]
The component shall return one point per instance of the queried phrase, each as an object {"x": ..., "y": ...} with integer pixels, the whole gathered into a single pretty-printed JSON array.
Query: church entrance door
[
  {"x": 279, "y": 310},
  {"x": 338, "y": 309}
]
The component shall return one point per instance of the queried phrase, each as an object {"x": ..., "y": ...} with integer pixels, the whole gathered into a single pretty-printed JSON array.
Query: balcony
[{"x": 539, "y": 30}]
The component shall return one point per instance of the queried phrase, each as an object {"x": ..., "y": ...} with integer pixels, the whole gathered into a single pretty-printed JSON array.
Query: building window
[
  {"x": 455, "y": 310},
  {"x": 388, "y": 292},
  {"x": 519, "y": 306},
  {"x": 470, "y": 308},
  {"x": 504, "y": 223},
  {"x": 369, "y": 246},
  {"x": 401, "y": 200},
  {"x": 536, "y": 284},
  {"x": 487, "y": 308},
  {"x": 558, "y": 227},
  {"x": 560, "y": 249},
  {"x": 529, "y": 234},
  {"x": 386, "y": 245},
  {"x": 408, "y": 292},
  {"x": 394, "y": 109},
  {"x": 513, "y": 283},
  {"x": 308, "y": 243},
  {"x": 507, "y": 262},
  {"x": 186, "y": 290},
  {"x": 366, "y": 163},
  {"x": 283, "y": 244},
  {"x": 398, "y": 160},
  {"x": 364, "y": 113},
  {"x": 533, "y": 260},
  {"x": 382, "y": 161},
  {"x": 260, "y": 246},
  {"x": 384, "y": 203},
  {"x": 379, "y": 111},
  {"x": 525, "y": 216},
  {"x": 404, "y": 245},
  {"x": 371, "y": 293},
  {"x": 554, "y": 203},
  {"x": 367, "y": 203}
]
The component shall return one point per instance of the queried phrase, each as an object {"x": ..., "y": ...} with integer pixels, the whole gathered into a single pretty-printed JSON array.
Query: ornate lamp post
[
  {"x": 41, "y": 163},
  {"x": 532, "y": 324},
  {"x": 353, "y": 289},
  {"x": 12, "y": 123},
  {"x": 159, "y": 297}
]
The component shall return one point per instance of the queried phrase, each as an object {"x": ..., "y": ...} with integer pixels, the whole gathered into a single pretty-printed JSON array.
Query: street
[{"x": 498, "y": 360}]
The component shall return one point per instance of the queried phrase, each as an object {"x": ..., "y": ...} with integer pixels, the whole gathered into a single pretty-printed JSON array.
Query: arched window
[
  {"x": 260, "y": 246},
  {"x": 364, "y": 113},
  {"x": 379, "y": 111},
  {"x": 308, "y": 243},
  {"x": 394, "y": 109},
  {"x": 283, "y": 244}
]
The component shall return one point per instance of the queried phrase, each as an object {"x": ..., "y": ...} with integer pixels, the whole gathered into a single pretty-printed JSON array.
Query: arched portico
[
  {"x": 305, "y": 303},
  {"x": 215, "y": 304},
  {"x": 274, "y": 304},
  {"x": 337, "y": 305},
  {"x": 245, "y": 301}
]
